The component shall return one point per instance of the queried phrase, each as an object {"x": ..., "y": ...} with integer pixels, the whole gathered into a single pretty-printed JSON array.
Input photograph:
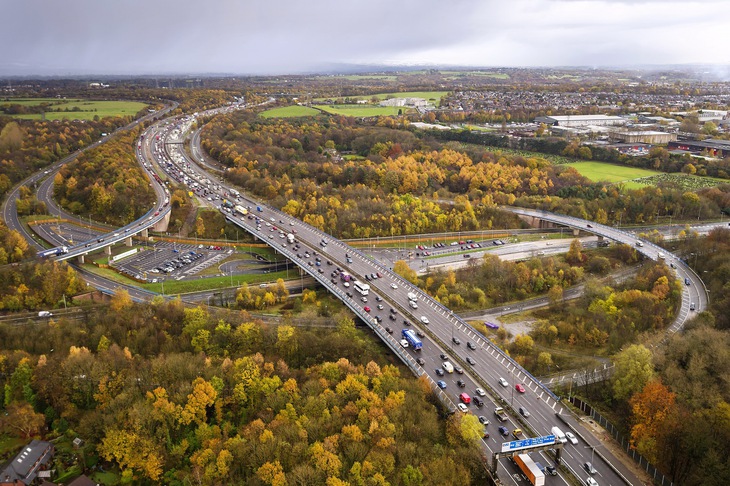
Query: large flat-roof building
[
  {"x": 636, "y": 136},
  {"x": 572, "y": 121},
  {"x": 712, "y": 147}
]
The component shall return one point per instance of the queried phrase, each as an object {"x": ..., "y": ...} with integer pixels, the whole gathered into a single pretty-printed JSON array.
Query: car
[
  {"x": 413, "y": 304},
  {"x": 692, "y": 306},
  {"x": 503, "y": 431},
  {"x": 471, "y": 345},
  {"x": 589, "y": 468},
  {"x": 378, "y": 298},
  {"x": 551, "y": 470},
  {"x": 503, "y": 382},
  {"x": 424, "y": 320},
  {"x": 465, "y": 398},
  {"x": 420, "y": 334},
  {"x": 481, "y": 392},
  {"x": 439, "y": 372},
  {"x": 444, "y": 357},
  {"x": 471, "y": 360},
  {"x": 364, "y": 299},
  {"x": 520, "y": 387},
  {"x": 393, "y": 286},
  {"x": 366, "y": 309},
  {"x": 349, "y": 294},
  {"x": 573, "y": 440},
  {"x": 421, "y": 361},
  {"x": 524, "y": 412},
  {"x": 686, "y": 281},
  {"x": 391, "y": 317},
  {"x": 459, "y": 370},
  {"x": 456, "y": 340},
  {"x": 404, "y": 343},
  {"x": 462, "y": 408},
  {"x": 591, "y": 482},
  {"x": 483, "y": 420},
  {"x": 461, "y": 383},
  {"x": 479, "y": 402},
  {"x": 380, "y": 306},
  {"x": 379, "y": 319},
  {"x": 589, "y": 226},
  {"x": 388, "y": 330},
  {"x": 441, "y": 384}
]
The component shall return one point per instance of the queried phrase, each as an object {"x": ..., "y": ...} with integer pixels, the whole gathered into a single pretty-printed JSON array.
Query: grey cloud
[{"x": 285, "y": 36}]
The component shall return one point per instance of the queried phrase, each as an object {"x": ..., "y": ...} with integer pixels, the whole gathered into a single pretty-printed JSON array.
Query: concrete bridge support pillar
[
  {"x": 108, "y": 250},
  {"x": 128, "y": 241},
  {"x": 81, "y": 260},
  {"x": 145, "y": 233},
  {"x": 576, "y": 231}
]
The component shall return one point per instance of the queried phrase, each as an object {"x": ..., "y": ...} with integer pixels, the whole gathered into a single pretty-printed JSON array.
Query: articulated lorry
[
  {"x": 528, "y": 466},
  {"x": 53, "y": 252}
]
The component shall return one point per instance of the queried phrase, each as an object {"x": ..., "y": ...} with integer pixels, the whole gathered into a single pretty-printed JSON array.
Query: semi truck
[
  {"x": 500, "y": 413},
  {"x": 530, "y": 469},
  {"x": 53, "y": 252},
  {"x": 410, "y": 336}
]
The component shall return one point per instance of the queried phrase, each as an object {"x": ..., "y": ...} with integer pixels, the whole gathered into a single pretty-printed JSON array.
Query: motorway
[
  {"x": 443, "y": 332},
  {"x": 693, "y": 290}
]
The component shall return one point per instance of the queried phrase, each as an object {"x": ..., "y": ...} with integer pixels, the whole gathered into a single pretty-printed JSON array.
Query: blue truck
[{"x": 410, "y": 336}]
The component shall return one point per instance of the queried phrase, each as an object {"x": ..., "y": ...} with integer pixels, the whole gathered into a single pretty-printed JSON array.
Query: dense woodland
[
  {"x": 27, "y": 146},
  {"x": 246, "y": 404},
  {"x": 400, "y": 183},
  {"x": 106, "y": 183}
]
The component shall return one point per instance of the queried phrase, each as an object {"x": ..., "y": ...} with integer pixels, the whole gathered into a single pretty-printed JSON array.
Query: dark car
[
  {"x": 439, "y": 372},
  {"x": 456, "y": 340},
  {"x": 420, "y": 334},
  {"x": 503, "y": 431},
  {"x": 461, "y": 383},
  {"x": 478, "y": 401},
  {"x": 444, "y": 357},
  {"x": 421, "y": 361},
  {"x": 459, "y": 370},
  {"x": 551, "y": 470},
  {"x": 388, "y": 330},
  {"x": 470, "y": 360},
  {"x": 471, "y": 345}
]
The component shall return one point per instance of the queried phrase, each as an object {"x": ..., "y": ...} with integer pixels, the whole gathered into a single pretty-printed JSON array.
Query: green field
[
  {"x": 74, "y": 109},
  {"x": 173, "y": 287},
  {"x": 603, "y": 172},
  {"x": 289, "y": 112},
  {"x": 362, "y": 110}
]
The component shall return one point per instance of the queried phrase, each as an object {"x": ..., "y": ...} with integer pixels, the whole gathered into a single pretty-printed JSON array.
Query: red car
[
  {"x": 465, "y": 398},
  {"x": 367, "y": 309},
  {"x": 520, "y": 388}
]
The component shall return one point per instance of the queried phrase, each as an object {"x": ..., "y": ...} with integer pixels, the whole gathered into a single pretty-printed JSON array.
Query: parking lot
[{"x": 169, "y": 260}]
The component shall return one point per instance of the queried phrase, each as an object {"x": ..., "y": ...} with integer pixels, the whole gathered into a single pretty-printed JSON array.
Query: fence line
[{"x": 657, "y": 476}]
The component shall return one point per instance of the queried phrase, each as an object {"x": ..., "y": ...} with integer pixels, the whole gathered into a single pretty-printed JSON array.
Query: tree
[
  {"x": 21, "y": 420},
  {"x": 121, "y": 300},
  {"x": 634, "y": 369},
  {"x": 575, "y": 255},
  {"x": 650, "y": 409}
]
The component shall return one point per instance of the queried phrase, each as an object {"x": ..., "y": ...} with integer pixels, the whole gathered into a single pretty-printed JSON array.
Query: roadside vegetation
[{"x": 172, "y": 394}]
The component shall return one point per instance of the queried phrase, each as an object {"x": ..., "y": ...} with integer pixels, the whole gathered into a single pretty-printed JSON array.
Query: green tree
[{"x": 634, "y": 369}]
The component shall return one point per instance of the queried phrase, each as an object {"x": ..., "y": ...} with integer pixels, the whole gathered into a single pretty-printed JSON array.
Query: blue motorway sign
[{"x": 524, "y": 443}]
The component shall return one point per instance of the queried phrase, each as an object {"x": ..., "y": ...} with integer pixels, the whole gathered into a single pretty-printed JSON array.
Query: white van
[
  {"x": 448, "y": 367},
  {"x": 44, "y": 314},
  {"x": 559, "y": 435}
]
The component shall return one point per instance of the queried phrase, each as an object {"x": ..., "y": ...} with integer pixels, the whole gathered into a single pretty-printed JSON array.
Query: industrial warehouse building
[
  {"x": 572, "y": 121},
  {"x": 652, "y": 137}
]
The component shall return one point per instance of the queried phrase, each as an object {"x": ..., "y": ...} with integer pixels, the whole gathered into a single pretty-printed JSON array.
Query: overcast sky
[{"x": 66, "y": 37}]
